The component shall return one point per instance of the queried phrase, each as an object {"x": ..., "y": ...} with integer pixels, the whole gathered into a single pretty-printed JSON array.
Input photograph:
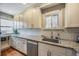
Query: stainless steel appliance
[
  {"x": 32, "y": 48},
  {"x": 4, "y": 41}
]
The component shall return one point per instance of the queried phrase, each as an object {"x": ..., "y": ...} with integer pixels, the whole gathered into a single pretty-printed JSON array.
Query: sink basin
[{"x": 51, "y": 40}]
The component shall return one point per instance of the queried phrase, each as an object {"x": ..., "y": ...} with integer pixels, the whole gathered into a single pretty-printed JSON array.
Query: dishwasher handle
[{"x": 32, "y": 42}]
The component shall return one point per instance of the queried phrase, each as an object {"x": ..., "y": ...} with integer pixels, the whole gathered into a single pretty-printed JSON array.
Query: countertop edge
[{"x": 47, "y": 43}]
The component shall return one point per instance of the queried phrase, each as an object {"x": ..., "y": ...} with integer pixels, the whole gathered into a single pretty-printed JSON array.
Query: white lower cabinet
[
  {"x": 43, "y": 48},
  {"x": 19, "y": 44},
  {"x": 51, "y": 50}
]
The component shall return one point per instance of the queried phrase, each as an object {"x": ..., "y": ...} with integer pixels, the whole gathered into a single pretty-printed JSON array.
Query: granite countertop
[
  {"x": 29, "y": 37},
  {"x": 38, "y": 38}
]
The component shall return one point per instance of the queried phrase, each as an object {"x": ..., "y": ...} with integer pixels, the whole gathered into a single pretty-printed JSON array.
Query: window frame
[{"x": 56, "y": 12}]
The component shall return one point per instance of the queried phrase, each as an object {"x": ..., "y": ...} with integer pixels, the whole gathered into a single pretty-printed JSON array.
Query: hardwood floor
[{"x": 11, "y": 52}]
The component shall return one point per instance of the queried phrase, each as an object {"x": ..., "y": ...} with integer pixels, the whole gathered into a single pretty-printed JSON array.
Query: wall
[{"x": 30, "y": 31}]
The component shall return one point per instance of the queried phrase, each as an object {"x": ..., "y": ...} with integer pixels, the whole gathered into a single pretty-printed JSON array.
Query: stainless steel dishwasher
[{"x": 32, "y": 48}]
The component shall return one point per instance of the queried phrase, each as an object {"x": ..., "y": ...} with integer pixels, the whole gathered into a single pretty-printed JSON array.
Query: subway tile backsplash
[
  {"x": 65, "y": 34},
  {"x": 30, "y": 31}
]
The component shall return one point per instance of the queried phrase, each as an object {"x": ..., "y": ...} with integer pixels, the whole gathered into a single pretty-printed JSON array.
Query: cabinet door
[
  {"x": 36, "y": 17},
  {"x": 19, "y": 44},
  {"x": 56, "y": 51},
  {"x": 50, "y": 50},
  {"x": 32, "y": 17},
  {"x": 13, "y": 42},
  {"x": 26, "y": 22},
  {"x": 42, "y": 52},
  {"x": 28, "y": 18},
  {"x": 70, "y": 52},
  {"x": 24, "y": 46},
  {"x": 72, "y": 15},
  {"x": 42, "y": 49}
]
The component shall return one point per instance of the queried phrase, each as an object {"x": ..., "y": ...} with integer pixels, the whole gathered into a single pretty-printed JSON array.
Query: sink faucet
[
  {"x": 51, "y": 35},
  {"x": 58, "y": 38}
]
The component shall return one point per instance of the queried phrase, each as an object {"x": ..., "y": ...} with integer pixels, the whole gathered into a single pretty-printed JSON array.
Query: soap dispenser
[
  {"x": 58, "y": 37},
  {"x": 77, "y": 38}
]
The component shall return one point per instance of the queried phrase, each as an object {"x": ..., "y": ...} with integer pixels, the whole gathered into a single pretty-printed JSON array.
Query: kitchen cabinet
[
  {"x": 16, "y": 17},
  {"x": 28, "y": 18},
  {"x": 19, "y": 44},
  {"x": 54, "y": 19},
  {"x": 51, "y": 50},
  {"x": 18, "y": 21},
  {"x": 0, "y": 47},
  {"x": 32, "y": 48},
  {"x": 70, "y": 52},
  {"x": 32, "y": 17},
  {"x": 23, "y": 45},
  {"x": 71, "y": 15},
  {"x": 37, "y": 18}
]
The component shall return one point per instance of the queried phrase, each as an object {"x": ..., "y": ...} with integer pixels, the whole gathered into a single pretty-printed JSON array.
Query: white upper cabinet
[
  {"x": 37, "y": 17},
  {"x": 72, "y": 15},
  {"x": 53, "y": 20},
  {"x": 32, "y": 17},
  {"x": 28, "y": 18}
]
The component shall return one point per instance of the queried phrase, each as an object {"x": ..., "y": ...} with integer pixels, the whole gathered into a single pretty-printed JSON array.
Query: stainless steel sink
[{"x": 51, "y": 40}]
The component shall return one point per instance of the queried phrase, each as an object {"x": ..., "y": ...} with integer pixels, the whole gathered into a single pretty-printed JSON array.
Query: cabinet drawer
[{"x": 45, "y": 49}]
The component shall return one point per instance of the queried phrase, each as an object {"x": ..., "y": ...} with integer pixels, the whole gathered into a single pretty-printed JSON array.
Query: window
[
  {"x": 48, "y": 21},
  {"x": 6, "y": 26},
  {"x": 52, "y": 21}
]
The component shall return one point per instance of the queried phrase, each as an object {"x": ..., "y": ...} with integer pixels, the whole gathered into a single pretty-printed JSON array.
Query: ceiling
[{"x": 13, "y": 8}]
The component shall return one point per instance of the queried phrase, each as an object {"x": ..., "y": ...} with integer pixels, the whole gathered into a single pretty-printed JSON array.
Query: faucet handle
[
  {"x": 56, "y": 37},
  {"x": 52, "y": 37}
]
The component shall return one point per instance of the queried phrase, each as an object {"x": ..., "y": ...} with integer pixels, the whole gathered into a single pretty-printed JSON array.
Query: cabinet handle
[{"x": 48, "y": 53}]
